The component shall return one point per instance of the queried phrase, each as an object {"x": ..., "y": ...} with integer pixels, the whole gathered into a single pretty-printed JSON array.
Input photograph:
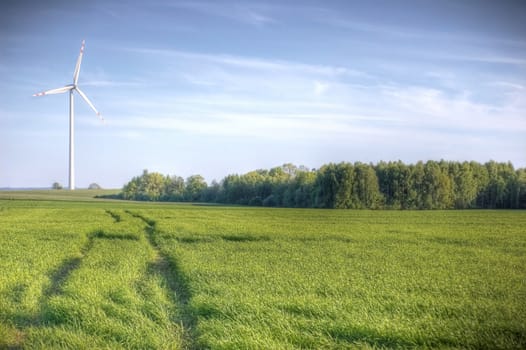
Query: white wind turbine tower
[{"x": 71, "y": 88}]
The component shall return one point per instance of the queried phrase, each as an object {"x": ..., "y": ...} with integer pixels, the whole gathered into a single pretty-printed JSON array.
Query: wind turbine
[{"x": 71, "y": 88}]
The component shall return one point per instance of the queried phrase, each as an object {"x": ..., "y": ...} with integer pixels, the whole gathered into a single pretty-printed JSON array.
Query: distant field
[
  {"x": 79, "y": 195},
  {"x": 102, "y": 274}
]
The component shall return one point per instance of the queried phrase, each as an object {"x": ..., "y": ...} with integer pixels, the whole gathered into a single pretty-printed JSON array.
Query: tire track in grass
[
  {"x": 47, "y": 316},
  {"x": 174, "y": 278},
  {"x": 135, "y": 310},
  {"x": 65, "y": 269},
  {"x": 116, "y": 217},
  {"x": 60, "y": 275},
  {"x": 57, "y": 278}
]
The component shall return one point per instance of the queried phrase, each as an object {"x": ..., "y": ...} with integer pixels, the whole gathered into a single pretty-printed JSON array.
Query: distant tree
[
  {"x": 465, "y": 188},
  {"x": 174, "y": 189},
  {"x": 326, "y": 186},
  {"x": 147, "y": 187},
  {"x": 212, "y": 192},
  {"x": 289, "y": 169},
  {"x": 130, "y": 190},
  {"x": 416, "y": 192},
  {"x": 56, "y": 186},
  {"x": 256, "y": 202},
  {"x": 521, "y": 190},
  {"x": 395, "y": 184},
  {"x": 501, "y": 190},
  {"x": 432, "y": 185},
  {"x": 392, "y": 185},
  {"x": 230, "y": 189},
  {"x": 304, "y": 188},
  {"x": 152, "y": 186},
  {"x": 94, "y": 186},
  {"x": 366, "y": 191},
  {"x": 481, "y": 178},
  {"x": 345, "y": 177},
  {"x": 195, "y": 186},
  {"x": 270, "y": 201}
]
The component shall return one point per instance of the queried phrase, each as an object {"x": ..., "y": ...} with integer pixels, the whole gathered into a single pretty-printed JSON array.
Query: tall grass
[
  {"x": 107, "y": 275},
  {"x": 82, "y": 278},
  {"x": 340, "y": 279}
]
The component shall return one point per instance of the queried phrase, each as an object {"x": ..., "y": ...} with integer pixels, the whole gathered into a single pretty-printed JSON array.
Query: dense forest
[{"x": 386, "y": 185}]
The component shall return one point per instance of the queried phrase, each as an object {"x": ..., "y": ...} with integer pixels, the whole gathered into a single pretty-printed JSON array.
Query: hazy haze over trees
[{"x": 390, "y": 185}]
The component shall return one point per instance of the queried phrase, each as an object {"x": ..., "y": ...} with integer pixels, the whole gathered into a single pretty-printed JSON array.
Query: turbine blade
[
  {"x": 89, "y": 102},
  {"x": 77, "y": 66},
  {"x": 55, "y": 91}
]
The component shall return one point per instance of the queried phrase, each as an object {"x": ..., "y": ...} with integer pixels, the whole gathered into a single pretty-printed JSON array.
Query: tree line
[{"x": 385, "y": 185}]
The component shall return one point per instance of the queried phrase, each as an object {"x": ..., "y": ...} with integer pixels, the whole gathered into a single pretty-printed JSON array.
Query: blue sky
[{"x": 221, "y": 87}]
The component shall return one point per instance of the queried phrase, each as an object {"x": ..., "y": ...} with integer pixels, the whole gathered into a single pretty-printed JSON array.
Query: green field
[{"x": 79, "y": 273}]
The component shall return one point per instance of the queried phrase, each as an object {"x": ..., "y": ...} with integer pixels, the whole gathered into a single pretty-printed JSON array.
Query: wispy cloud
[
  {"x": 244, "y": 12},
  {"x": 254, "y": 125},
  {"x": 320, "y": 88},
  {"x": 426, "y": 42},
  {"x": 408, "y": 31},
  {"x": 405, "y": 110},
  {"x": 480, "y": 57},
  {"x": 336, "y": 20},
  {"x": 249, "y": 62},
  {"x": 258, "y": 96},
  {"x": 112, "y": 83},
  {"x": 507, "y": 85}
]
